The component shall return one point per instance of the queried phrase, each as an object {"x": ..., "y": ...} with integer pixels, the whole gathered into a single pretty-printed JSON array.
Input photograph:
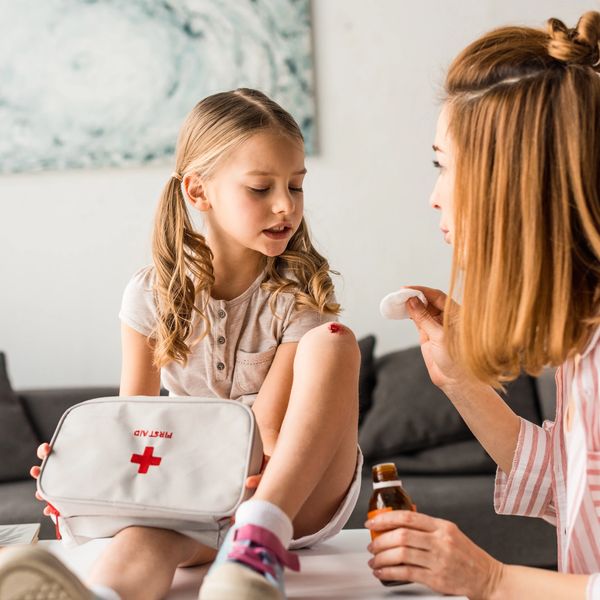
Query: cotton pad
[{"x": 393, "y": 306}]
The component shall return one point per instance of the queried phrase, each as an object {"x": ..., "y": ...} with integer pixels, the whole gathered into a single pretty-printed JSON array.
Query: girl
[
  {"x": 245, "y": 312},
  {"x": 518, "y": 147}
]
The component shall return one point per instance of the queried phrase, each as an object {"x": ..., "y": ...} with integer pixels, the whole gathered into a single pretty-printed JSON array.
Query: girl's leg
[
  {"x": 308, "y": 476},
  {"x": 140, "y": 562},
  {"x": 315, "y": 456}
]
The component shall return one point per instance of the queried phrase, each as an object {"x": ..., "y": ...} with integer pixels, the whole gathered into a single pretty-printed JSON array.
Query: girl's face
[
  {"x": 254, "y": 200},
  {"x": 443, "y": 191}
]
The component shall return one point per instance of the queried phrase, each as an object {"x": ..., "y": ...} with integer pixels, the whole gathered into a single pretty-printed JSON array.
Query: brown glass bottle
[{"x": 387, "y": 495}]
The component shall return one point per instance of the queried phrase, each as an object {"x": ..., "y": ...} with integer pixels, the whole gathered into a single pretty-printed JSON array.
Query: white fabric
[
  {"x": 268, "y": 515},
  {"x": 393, "y": 306},
  {"x": 177, "y": 463},
  {"x": 341, "y": 516}
]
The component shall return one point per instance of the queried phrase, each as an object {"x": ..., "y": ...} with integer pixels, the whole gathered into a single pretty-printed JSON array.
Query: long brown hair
[
  {"x": 524, "y": 122},
  {"x": 182, "y": 259}
]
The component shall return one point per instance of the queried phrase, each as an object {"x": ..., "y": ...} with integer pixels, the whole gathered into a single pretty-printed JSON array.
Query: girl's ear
[{"x": 193, "y": 191}]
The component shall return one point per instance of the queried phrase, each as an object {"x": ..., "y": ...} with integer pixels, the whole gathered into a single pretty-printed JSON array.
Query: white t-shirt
[{"x": 233, "y": 360}]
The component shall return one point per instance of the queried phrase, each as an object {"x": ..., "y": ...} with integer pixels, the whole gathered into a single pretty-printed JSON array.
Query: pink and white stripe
[{"x": 555, "y": 473}]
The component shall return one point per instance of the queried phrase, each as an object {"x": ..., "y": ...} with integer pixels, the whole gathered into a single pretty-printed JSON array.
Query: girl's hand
[
  {"x": 416, "y": 547},
  {"x": 253, "y": 481},
  {"x": 444, "y": 371},
  {"x": 42, "y": 451}
]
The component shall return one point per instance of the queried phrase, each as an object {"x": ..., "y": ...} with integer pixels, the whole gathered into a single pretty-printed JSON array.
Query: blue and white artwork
[{"x": 94, "y": 83}]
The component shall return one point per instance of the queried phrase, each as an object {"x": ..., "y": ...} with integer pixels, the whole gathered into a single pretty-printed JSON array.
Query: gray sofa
[{"x": 404, "y": 419}]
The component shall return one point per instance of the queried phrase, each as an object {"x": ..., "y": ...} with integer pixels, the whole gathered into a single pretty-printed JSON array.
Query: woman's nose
[{"x": 434, "y": 199}]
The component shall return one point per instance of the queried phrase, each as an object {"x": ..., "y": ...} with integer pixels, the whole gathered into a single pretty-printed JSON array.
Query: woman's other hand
[
  {"x": 42, "y": 451},
  {"x": 415, "y": 547}
]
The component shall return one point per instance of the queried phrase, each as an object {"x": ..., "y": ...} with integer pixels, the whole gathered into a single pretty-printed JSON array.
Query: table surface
[{"x": 336, "y": 568}]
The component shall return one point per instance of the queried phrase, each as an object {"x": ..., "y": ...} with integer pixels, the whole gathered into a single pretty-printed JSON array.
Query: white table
[{"x": 335, "y": 569}]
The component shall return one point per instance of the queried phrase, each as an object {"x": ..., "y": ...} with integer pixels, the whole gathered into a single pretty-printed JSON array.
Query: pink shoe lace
[{"x": 261, "y": 541}]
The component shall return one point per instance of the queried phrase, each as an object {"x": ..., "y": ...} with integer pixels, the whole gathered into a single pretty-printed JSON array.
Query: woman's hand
[
  {"x": 489, "y": 418},
  {"x": 415, "y": 547},
  {"x": 444, "y": 371},
  {"x": 42, "y": 451}
]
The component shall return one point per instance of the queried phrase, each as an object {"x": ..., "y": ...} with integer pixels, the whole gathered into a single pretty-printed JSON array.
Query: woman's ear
[{"x": 194, "y": 192}]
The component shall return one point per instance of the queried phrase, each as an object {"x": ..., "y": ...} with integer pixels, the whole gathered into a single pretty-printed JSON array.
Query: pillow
[
  {"x": 459, "y": 458},
  {"x": 366, "y": 381},
  {"x": 17, "y": 439},
  {"x": 46, "y": 407},
  {"x": 409, "y": 413},
  {"x": 546, "y": 391}
]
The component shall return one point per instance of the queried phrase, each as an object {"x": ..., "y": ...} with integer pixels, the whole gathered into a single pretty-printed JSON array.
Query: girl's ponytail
[{"x": 183, "y": 271}]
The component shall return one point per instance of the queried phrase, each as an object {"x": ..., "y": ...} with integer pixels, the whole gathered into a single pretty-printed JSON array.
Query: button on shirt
[{"x": 232, "y": 361}]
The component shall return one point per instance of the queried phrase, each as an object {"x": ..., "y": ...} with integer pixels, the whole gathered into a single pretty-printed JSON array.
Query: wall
[{"x": 70, "y": 240}]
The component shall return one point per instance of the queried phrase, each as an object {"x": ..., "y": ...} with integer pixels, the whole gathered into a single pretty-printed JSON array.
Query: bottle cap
[{"x": 384, "y": 472}]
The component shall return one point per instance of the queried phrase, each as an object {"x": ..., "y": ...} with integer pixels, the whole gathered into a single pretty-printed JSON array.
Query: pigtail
[{"x": 184, "y": 276}]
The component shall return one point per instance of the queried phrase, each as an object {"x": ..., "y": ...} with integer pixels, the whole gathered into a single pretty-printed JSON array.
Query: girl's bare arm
[
  {"x": 139, "y": 376},
  {"x": 271, "y": 404}
]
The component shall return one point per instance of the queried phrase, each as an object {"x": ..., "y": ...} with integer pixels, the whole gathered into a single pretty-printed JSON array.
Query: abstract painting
[{"x": 96, "y": 83}]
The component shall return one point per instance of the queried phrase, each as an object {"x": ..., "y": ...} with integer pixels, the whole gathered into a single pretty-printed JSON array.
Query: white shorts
[{"x": 342, "y": 514}]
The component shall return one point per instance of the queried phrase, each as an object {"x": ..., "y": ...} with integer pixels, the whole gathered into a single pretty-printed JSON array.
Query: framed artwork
[{"x": 96, "y": 83}]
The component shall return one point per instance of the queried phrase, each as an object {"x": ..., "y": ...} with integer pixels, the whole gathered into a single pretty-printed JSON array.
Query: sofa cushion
[
  {"x": 366, "y": 382},
  {"x": 546, "y": 391},
  {"x": 45, "y": 407},
  {"x": 462, "y": 458},
  {"x": 18, "y": 442},
  {"x": 409, "y": 413}
]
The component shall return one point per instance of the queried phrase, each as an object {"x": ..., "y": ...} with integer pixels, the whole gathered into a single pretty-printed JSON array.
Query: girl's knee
[{"x": 331, "y": 337}]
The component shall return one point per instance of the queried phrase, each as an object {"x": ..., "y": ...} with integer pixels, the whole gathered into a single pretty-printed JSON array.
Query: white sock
[
  {"x": 101, "y": 592},
  {"x": 267, "y": 515}
]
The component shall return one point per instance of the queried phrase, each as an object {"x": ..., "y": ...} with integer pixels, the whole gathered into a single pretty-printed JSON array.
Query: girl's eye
[
  {"x": 437, "y": 165},
  {"x": 259, "y": 190},
  {"x": 297, "y": 190}
]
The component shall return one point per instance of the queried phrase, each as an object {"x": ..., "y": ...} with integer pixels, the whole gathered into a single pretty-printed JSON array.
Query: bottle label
[
  {"x": 386, "y": 484},
  {"x": 372, "y": 514}
]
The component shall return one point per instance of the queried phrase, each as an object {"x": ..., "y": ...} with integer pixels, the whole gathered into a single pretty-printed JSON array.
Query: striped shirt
[{"x": 555, "y": 473}]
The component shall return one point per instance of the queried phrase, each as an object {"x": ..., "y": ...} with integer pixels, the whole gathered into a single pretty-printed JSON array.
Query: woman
[{"x": 518, "y": 148}]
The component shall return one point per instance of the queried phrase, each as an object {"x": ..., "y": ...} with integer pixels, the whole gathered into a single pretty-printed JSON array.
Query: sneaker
[
  {"x": 30, "y": 573},
  {"x": 249, "y": 566}
]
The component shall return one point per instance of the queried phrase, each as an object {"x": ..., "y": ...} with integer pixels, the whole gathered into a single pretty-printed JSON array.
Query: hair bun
[{"x": 579, "y": 45}]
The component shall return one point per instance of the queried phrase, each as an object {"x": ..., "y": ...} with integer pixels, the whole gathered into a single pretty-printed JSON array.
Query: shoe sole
[
  {"x": 231, "y": 581},
  {"x": 29, "y": 573}
]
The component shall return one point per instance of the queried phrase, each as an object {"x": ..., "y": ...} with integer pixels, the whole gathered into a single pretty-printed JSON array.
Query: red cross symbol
[{"x": 146, "y": 460}]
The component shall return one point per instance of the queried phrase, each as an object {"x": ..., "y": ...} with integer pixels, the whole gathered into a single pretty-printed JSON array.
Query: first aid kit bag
[{"x": 173, "y": 463}]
